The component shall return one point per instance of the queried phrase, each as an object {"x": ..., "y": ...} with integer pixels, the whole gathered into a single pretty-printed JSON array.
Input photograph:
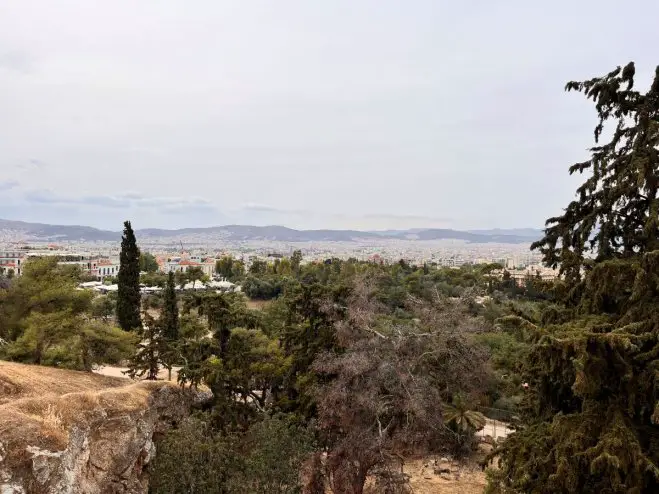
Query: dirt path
[{"x": 112, "y": 371}]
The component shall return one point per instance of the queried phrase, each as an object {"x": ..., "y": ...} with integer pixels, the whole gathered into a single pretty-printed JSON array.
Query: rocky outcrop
[{"x": 93, "y": 442}]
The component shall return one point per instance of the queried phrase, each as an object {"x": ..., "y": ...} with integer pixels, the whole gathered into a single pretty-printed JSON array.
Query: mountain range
[{"x": 72, "y": 233}]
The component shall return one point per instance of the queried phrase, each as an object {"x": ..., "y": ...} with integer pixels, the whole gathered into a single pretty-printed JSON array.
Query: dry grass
[
  {"x": 257, "y": 304},
  {"x": 469, "y": 479},
  {"x": 23, "y": 381},
  {"x": 38, "y": 405}
]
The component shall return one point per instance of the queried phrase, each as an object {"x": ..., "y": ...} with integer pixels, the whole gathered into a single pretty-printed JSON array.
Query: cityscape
[{"x": 100, "y": 259}]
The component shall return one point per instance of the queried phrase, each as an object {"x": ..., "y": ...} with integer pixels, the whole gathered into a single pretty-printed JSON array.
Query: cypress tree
[
  {"x": 170, "y": 310},
  {"x": 590, "y": 419},
  {"x": 170, "y": 324},
  {"x": 128, "y": 296}
]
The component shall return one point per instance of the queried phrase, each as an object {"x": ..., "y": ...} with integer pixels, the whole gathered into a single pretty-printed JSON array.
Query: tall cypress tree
[
  {"x": 590, "y": 422},
  {"x": 170, "y": 325},
  {"x": 170, "y": 318},
  {"x": 128, "y": 299}
]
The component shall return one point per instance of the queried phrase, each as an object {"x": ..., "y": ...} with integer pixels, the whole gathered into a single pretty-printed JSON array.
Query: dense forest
[{"x": 349, "y": 368}]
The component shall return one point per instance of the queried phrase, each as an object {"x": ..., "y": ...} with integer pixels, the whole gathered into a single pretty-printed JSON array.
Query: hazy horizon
[
  {"x": 382, "y": 230},
  {"x": 326, "y": 115}
]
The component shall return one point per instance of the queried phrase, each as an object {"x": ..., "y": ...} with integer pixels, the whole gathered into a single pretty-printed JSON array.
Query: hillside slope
[{"x": 74, "y": 432}]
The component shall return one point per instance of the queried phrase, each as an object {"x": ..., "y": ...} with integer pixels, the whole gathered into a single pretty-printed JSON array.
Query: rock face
[{"x": 90, "y": 442}]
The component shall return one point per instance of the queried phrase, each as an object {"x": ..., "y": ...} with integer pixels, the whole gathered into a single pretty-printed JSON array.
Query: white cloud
[
  {"x": 122, "y": 201},
  {"x": 8, "y": 185}
]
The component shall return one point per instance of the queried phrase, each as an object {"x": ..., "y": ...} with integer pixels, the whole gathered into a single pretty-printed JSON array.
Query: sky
[{"x": 368, "y": 114}]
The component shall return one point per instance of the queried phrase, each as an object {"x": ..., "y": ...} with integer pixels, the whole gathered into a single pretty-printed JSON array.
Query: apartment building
[
  {"x": 94, "y": 265},
  {"x": 11, "y": 262}
]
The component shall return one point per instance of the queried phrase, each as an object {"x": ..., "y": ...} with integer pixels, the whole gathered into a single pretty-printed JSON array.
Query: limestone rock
[{"x": 89, "y": 443}]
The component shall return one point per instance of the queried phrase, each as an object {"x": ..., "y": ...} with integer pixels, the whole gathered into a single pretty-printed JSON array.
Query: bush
[
  {"x": 193, "y": 458},
  {"x": 274, "y": 452},
  {"x": 267, "y": 459}
]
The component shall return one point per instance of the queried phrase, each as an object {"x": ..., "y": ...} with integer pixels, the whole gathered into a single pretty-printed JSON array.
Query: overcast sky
[{"x": 365, "y": 114}]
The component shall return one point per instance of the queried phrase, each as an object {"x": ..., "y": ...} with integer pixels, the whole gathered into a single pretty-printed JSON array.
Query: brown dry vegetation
[
  {"x": 470, "y": 479},
  {"x": 39, "y": 404},
  {"x": 257, "y": 304},
  {"x": 24, "y": 381}
]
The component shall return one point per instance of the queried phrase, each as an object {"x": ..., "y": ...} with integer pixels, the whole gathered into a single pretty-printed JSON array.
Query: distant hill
[
  {"x": 533, "y": 233},
  {"x": 41, "y": 231},
  {"x": 45, "y": 232}
]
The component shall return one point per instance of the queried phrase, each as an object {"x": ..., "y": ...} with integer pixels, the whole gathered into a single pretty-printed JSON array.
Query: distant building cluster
[
  {"x": 101, "y": 260},
  {"x": 184, "y": 262},
  {"x": 100, "y": 266},
  {"x": 94, "y": 265}
]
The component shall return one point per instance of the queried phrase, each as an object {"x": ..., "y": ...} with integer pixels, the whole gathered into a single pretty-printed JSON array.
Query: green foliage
[
  {"x": 148, "y": 263},
  {"x": 274, "y": 450},
  {"x": 128, "y": 295},
  {"x": 45, "y": 320},
  {"x": 154, "y": 279},
  {"x": 191, "y": 327},
  {"x": 587, "y": 421},
  {"x": 266, "y": 459},
  {"x": 464, "y": 421},
  {"x": 194, "y": 459},
  {"x": 195, "y": 274},
  {"x": 150, "y": 352},
  {"x": 242, "y": 376},
  {"x": 170, "y": 316},
  {"x": 98, "y": 343},
  {"x": 231, "y": 269},
  {"x": 103, "y": 307},
  {"x": 296, "y": 261},
  {"x": 379, "y": 360},
  {"x": 263, "y": 288},
  {"x": 615, "y": 213},
  {"x": 169, "y": 322},
  {"x": 44, "y": 289}
]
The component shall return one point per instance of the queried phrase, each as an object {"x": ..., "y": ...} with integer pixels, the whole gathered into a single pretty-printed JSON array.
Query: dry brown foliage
[{"x": 384, "y": 399}]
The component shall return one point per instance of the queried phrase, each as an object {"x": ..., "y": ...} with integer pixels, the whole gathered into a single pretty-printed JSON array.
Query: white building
[{"x": 11, "y": 262}]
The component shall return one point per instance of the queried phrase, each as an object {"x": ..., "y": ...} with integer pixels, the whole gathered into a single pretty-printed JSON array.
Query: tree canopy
[
  {"x": 128, "y": 281},
  {"x": 590, "y": 420}
]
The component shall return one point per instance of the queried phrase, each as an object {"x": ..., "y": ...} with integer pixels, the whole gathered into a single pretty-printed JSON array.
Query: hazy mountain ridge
[{"x": 42, "y": 231}]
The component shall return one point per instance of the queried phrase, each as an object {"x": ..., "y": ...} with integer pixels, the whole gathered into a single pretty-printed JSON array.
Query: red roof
[{"x": 188, "y": 263}]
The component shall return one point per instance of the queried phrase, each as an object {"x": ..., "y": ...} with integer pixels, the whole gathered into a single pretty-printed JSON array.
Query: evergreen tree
[
  {"x": 590, "y": 419},
  {"x": 128, "y": 296},
  {"x": 296, "y": 261},
  {"x": 170, "y": 312},
  {"x": 150, "y": 352},
  {"x": 44, "y": 319},
  {"x": 148, "y": 263},
  {"x": 170, "y": 323}
]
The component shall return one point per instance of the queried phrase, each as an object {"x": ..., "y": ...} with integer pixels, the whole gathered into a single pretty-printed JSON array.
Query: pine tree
[
  {"x": 128, "y": 299},
  {"x": 170, "y": 323},
  {"x": 590, "y": 420},
  {"x": 150, "y": 352}
]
